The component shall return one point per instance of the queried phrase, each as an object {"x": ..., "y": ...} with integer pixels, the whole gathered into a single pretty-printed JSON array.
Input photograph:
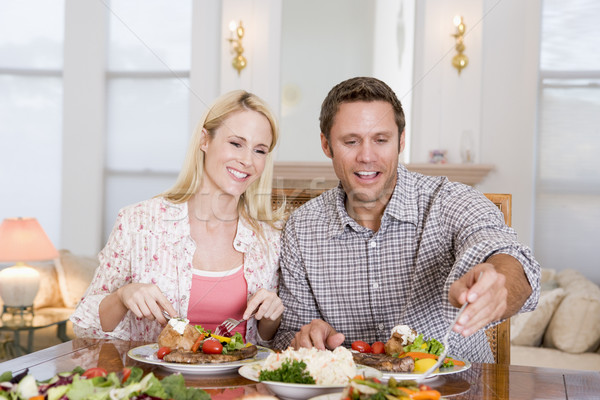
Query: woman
[{"x": 206, "y": 249}]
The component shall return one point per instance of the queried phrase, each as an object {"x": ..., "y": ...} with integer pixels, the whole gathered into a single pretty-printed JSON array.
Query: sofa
[
  {"x": 62, "y": 284},
  {"x": 564, "y": 330}
]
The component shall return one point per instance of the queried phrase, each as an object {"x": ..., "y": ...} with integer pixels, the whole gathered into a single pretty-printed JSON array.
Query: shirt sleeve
[
  {"x": 267, "y": 278},
  {"x": 478, "y": 231},
  {"x": 113, "y": 272},
  {"x": 294, "y": 289}
]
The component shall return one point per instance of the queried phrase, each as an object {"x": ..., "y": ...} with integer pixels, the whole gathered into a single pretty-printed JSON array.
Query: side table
[{"x": 42, "y": 318}]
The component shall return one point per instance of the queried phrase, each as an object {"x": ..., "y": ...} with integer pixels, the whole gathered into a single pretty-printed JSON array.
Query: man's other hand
[{"x": 317, "y": 334}]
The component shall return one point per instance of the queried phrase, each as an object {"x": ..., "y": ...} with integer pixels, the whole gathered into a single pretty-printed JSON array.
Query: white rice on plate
[{"x": 326, "y": 367}]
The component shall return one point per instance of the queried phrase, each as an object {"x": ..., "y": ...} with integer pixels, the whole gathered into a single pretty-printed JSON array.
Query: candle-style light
[
  {"x": 460, "y": 60},
  {"x": 237, "y": 34}
]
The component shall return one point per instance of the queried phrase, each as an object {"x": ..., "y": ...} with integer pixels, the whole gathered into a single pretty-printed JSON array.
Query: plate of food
[
  {"x": 305, "y": 373},
  {"x": 148, "y": 354},
  {"x": 98, "y": 383},
  {"x": 367, "y": 388},
  {"x": 406, "y": 355},
  {"x": 190, "y": 349}
]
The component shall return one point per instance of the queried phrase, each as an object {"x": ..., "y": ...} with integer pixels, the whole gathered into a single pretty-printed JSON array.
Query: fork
[
  {"x": 167, "y": 316},
  {"x": 446, "y": 344},
  {"x": 229, "y": 325}
]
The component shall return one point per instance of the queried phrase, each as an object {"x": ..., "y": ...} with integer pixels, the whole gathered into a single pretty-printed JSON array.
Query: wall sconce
[
  {"x": 239, "y": 61},
  {"x": 460, "y": 60}
]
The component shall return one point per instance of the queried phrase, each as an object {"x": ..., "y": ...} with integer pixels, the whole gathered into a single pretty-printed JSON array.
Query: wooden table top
[{"x": 481, "y": 381}]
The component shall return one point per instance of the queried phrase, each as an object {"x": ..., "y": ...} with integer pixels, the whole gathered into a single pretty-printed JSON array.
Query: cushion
[
  {"x": 548, "y": 279},
  {"x": 49, "y": 293},
  {"x": 575, "y": 325},
  {"x": 74, "y": 276},
  {"x": 553, "y": 358},
  {"x": 527, "y": 329}
]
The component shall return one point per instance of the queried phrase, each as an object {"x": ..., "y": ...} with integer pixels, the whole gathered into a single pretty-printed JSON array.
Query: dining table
[{"x": 480, "y": 381}]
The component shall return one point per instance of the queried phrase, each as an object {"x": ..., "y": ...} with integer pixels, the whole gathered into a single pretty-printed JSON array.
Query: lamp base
[{"x": 22, "y": 312}]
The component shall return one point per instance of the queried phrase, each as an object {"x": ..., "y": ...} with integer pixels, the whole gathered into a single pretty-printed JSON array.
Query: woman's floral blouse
[{"x": 151, "y": 243}]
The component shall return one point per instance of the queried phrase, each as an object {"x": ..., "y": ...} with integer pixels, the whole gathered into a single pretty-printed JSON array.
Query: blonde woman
[{"x": 207, "y": 249}]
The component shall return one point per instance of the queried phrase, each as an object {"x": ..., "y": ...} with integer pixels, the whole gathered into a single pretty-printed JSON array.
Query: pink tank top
[{"x": 216, "y": 296}]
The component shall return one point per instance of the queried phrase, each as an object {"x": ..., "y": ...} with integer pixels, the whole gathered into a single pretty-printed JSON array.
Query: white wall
[
  {"x": 323, "y": 43},
  {"x": 82, "y": 190},
  {"x": 494, "y": 97},
  {"x": 511, "y": 42}
]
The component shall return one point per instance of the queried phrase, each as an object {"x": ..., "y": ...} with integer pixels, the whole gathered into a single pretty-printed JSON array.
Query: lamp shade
[{"x": 23, "y": 239}]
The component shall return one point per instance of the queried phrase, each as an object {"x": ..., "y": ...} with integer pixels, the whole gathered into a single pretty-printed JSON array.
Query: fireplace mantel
[{"x": 318, "y": 175}]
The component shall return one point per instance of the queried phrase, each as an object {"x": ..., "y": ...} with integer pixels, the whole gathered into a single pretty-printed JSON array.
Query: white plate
[
  {"x": 412, "y": 375},
  {"x": 330, "y": 396},
  {"x": 147, "y": 354},
  {"x": 300, "y": 391}
]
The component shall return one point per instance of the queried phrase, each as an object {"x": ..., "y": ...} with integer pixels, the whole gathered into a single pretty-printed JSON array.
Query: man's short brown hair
[{"x": 359, "y": 89}]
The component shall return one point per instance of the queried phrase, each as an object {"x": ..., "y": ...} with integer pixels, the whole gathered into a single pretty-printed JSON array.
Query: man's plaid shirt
[{"x": 363, "y": 283}]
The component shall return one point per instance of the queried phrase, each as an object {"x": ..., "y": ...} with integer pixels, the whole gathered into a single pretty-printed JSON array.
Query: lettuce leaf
[
  {"x": 236, "y": 343},
  {"x": 175, "y": 387}
]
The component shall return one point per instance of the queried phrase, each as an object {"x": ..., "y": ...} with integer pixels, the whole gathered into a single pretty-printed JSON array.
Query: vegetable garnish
[
  {"x": 203, "y": 331},
  {"x": 371, "y": 389},
  {"x": 431, "y": 346},
  {"x": 294, "y": 372},
  {"x": 235, "y": 342},
  {"x": 448, "y": 361}
]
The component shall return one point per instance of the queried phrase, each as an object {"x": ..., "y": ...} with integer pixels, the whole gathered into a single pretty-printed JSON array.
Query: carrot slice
[
  {"x": 456, "y": 362},
  {"x": 406, "y": 390},
  {"x": 426, "y": 395},
  {"x": 198, "y": 343},
  {"x": 418, "y": 355}
]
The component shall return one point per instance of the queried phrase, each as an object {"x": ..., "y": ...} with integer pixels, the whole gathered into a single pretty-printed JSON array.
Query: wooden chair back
[{"x": 499, "y": 335}]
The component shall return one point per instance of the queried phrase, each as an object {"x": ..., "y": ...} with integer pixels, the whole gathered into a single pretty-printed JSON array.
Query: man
[{"x": 390, "y": 247}]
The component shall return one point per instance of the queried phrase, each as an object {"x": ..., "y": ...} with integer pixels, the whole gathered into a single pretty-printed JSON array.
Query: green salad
[
  {"x": 289, "y": 372},
  {"x": 97, "y": 384}
]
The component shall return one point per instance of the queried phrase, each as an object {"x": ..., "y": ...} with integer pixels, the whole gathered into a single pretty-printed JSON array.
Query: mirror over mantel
[{"x": 344, "y": 39}]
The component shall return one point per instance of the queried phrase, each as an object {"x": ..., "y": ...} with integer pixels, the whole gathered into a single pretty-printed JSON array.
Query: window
[
  {"x": 31, "y": 62},
  {"x": 567, "y": 215},
  {"x": 148, "y": 100}
]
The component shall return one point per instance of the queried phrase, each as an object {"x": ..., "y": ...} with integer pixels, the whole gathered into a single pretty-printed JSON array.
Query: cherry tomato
[
  {"x": 94, "y": 372},
  {"x": 197, "y": 343},
  {"x": 424, "y": 387},
  {"x": 163, "y": 351},
  {"x": 212, "y": 347},
  {"x": 126, "y": 374},
  {"x": 361, "y": 347},
  {"x": 378, "y": 348}
]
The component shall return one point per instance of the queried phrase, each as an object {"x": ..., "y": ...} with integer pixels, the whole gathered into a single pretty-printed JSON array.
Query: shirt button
[
  {"x": 373, "y": 244},
  {"x": 380, "y": 327},
  {"x": 375, "y": 285}
]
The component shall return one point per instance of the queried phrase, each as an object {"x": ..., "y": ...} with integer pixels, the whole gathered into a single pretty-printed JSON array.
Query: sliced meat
[
  {"x": 383, "y": 362},
  {"x": 188, "y": 357}
]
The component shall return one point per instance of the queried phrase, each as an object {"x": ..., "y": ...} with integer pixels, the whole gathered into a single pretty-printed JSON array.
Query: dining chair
[{"x": 498, "y": 335}]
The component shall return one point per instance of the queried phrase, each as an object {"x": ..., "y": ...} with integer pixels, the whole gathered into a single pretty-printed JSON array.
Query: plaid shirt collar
[{"x": 402, "y": 206}]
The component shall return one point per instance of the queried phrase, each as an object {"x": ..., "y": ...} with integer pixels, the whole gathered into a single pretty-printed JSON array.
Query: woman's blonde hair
[{"x": 255, "y": 203}]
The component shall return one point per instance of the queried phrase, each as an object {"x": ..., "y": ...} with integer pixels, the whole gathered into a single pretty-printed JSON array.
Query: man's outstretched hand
[{"x": 317, "y": 334}]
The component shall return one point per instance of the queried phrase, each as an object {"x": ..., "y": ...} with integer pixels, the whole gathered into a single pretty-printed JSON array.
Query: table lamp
[{"x": 22, "y": 239}]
